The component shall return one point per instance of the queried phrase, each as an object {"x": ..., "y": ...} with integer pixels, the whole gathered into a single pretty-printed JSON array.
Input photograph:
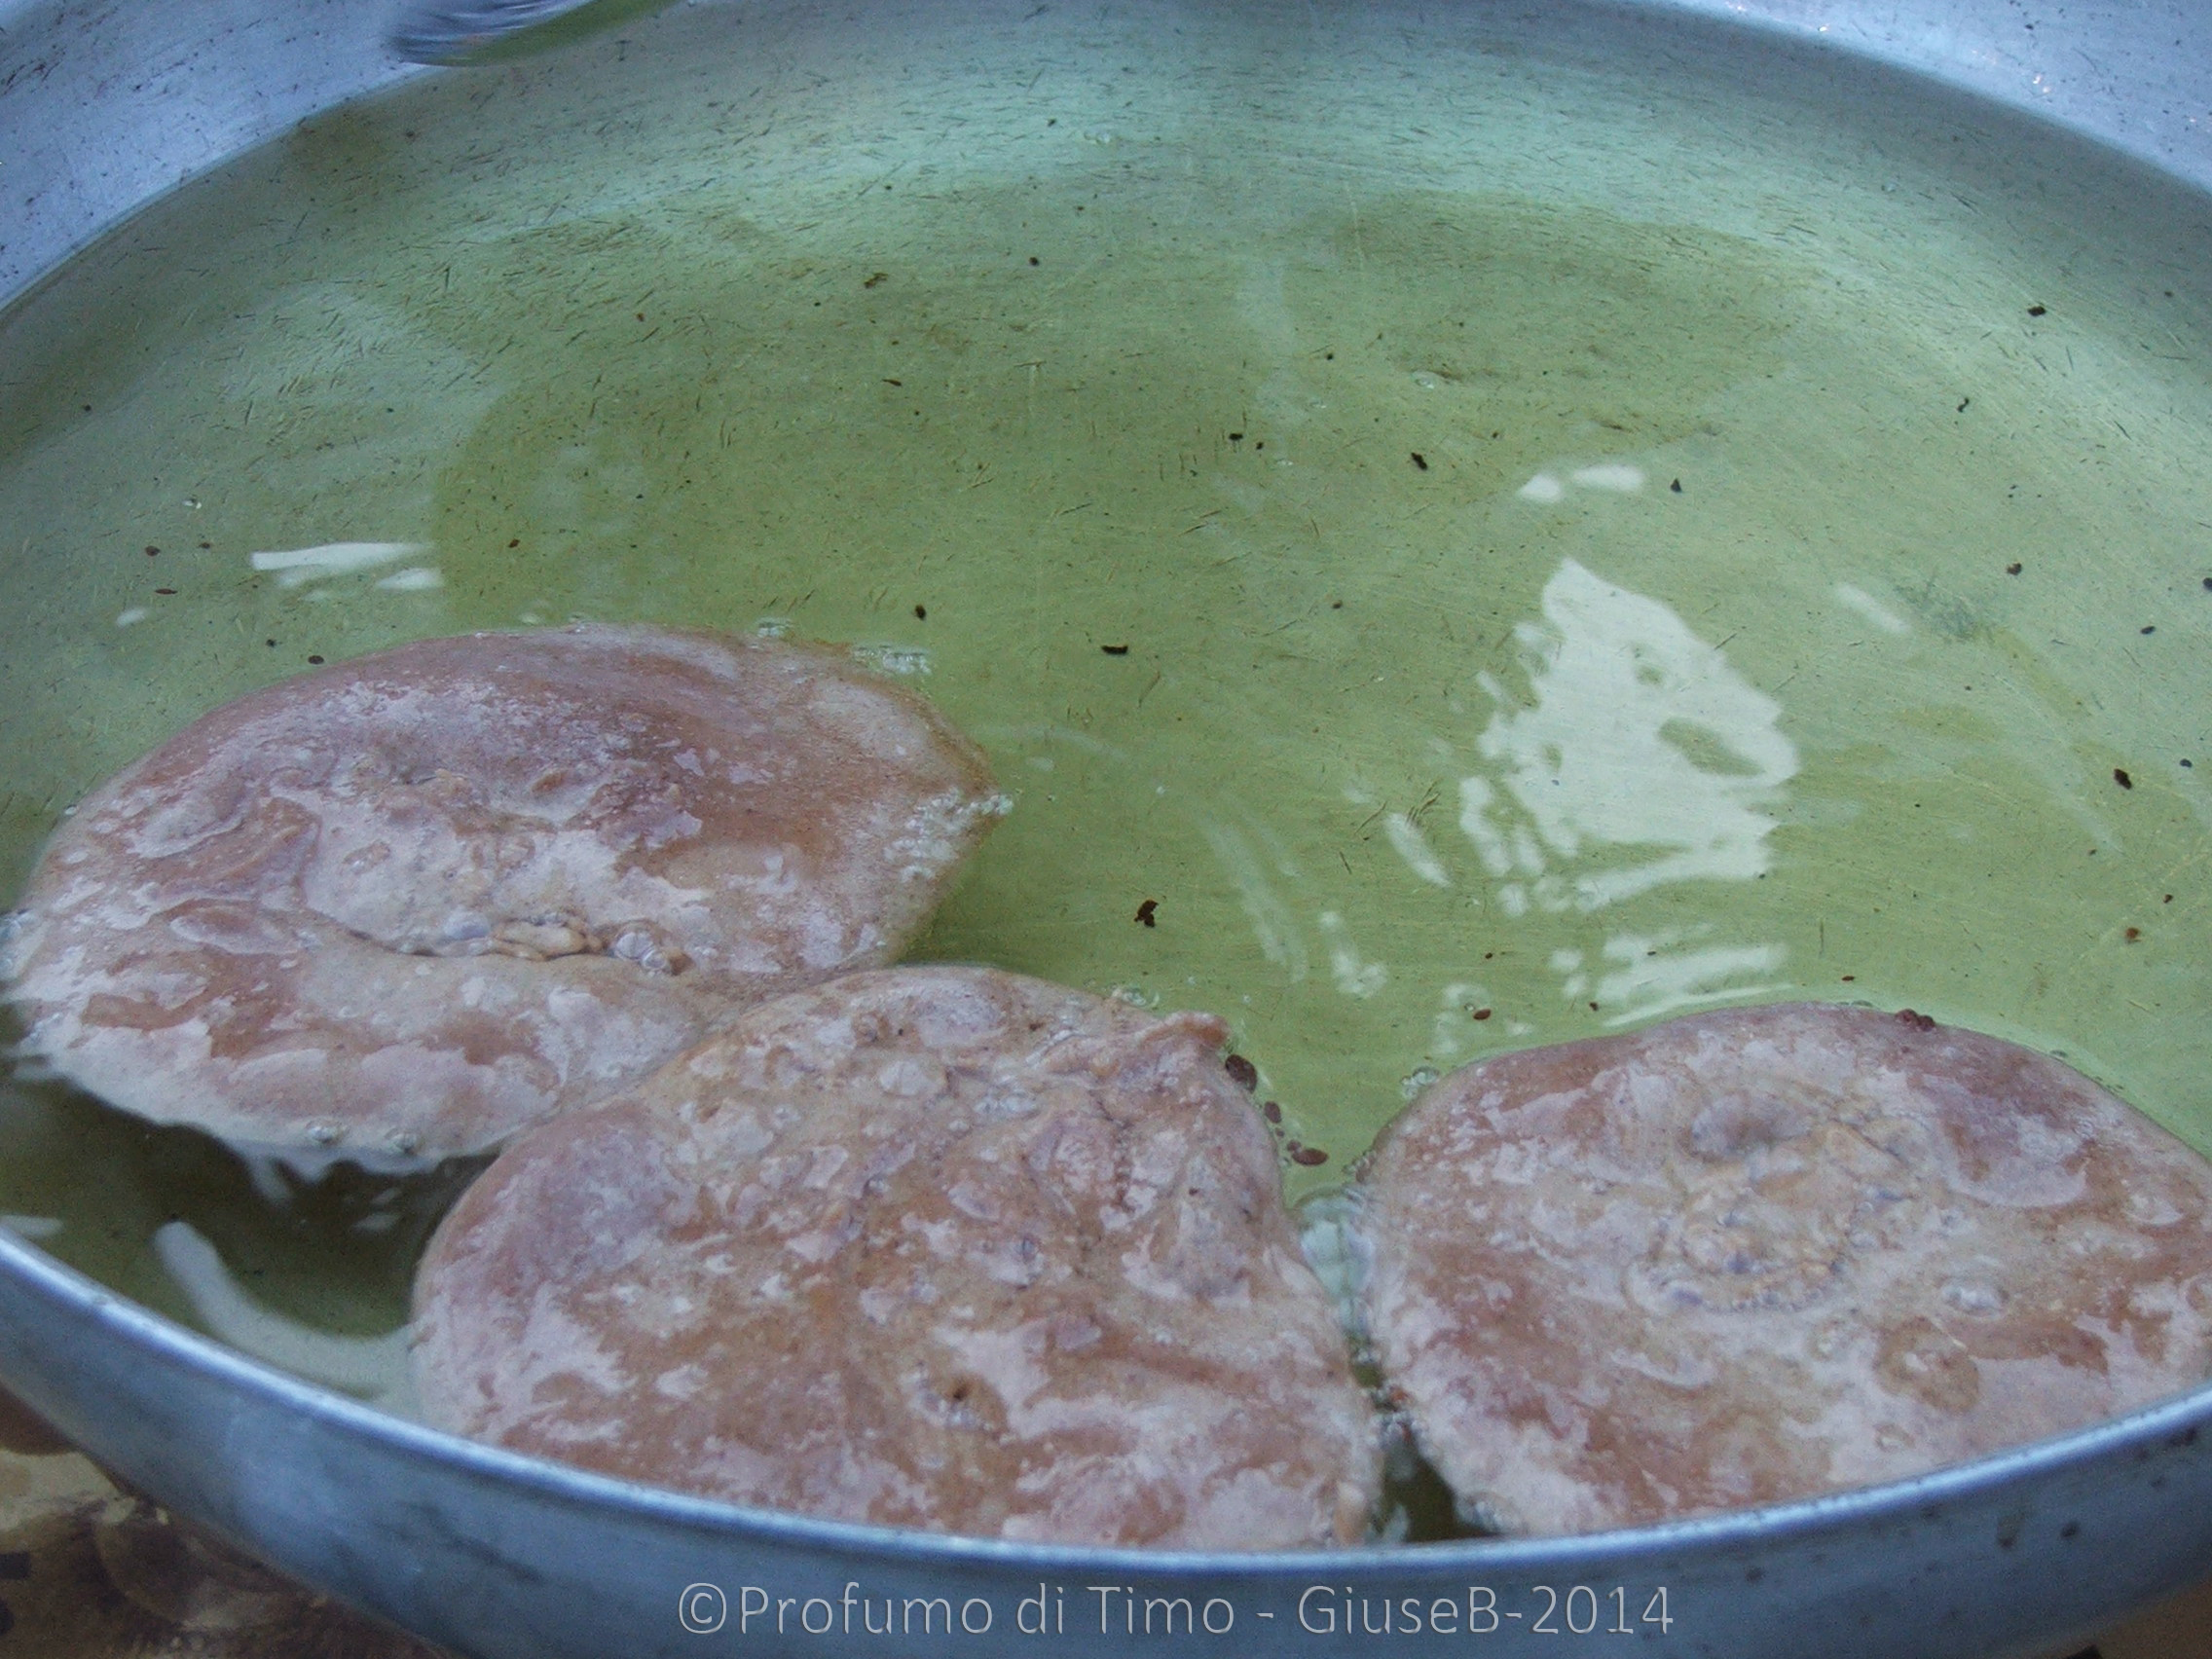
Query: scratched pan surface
[{"x": 530, "y": 340}]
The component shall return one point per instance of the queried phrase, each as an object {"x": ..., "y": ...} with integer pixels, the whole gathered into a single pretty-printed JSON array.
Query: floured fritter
[
  {"x": 936, "y": 1247},
  {"x": 1758, "y": 1254},
  {"x": 415, "y": 900}
]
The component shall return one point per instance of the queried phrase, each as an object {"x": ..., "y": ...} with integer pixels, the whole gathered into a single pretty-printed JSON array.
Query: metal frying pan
[{"x": 497, "y": 1556}]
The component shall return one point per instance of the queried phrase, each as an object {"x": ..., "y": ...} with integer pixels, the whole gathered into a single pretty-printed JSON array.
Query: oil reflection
[
  {"x": 1637, "y": 758},
  {"x": 1640, "y": 757},
  {"x": 371, "y": 1368}
]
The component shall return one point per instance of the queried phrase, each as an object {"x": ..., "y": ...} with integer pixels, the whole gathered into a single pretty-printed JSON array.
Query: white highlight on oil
[
  {"x": 1873, "y": 608},
  {"x": 371, "y": 1368},
  {"x": 1411, "y": 845},
  {"x": 1274, "y": 927},
  {"x": 1354, "y": 976},
  {"x": 1638, "y": 735},
  {"x": 1619, "y": 477},
  {"x": 1654, "y": 979},
  {"x": 303, "y": 565}
]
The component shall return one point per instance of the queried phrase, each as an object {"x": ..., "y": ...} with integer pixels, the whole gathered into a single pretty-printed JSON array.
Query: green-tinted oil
[{"x": 1480, "y": 557}]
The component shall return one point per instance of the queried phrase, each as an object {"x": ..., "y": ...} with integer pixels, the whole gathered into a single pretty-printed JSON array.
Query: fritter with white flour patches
[
  {"x": 937, "y": 1247},
  {"x": 1760, "y": 1254},
  {"x": 414, "y": 901}
]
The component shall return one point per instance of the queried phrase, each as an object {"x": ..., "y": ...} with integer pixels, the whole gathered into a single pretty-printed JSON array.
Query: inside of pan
[{"x": 1498, "y": 535}]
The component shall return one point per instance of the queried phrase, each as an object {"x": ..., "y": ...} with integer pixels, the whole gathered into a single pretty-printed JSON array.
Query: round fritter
[
  {"x": 936, "y": 1247},
  {"x": 1760, "y": 1254},
  {"x": 415, "y": 900}
]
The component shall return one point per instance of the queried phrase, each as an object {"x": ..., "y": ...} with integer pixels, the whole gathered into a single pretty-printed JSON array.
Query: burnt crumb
[
  {"x": 1033, "y": 259},
  {"x": 166, "y": 593},
  {"x": 1676, "y": 487},
  {"x": 1478, "y": 1014},
  {"x": 1593, "y": 1008},
  {"x": 1309, "y": 1156},
  {"x": 879, "y": 277},
  {"x": 2151, "y": 628},
  {"x": 2132, "y": 934},
  {"x": 921, "y": 613},
  {"x": 1147, "y": 911},
  {"x": 315, "y": 660},
  {"x": 1246, "y": 1074},
  {"x": 514, "y": 543},
  {"x": 1236, "y": 437},
  {"x": 2013, "y": 568},
  {"x": 1849, "y": 978},
  {"x": 1115, "y": 650},
  {"x": 271, "y": 644},
  {"x": 888, "y": 380},
  {"x": 2037, "y": 310},
  {"x": 152, "y": 551},
  {"x": 1271, "y": 1111},
  {"x": 1420, "y": 459},
  {"x": 2120, "y": 775},
  {"x": 1917, "y": 1020}
]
